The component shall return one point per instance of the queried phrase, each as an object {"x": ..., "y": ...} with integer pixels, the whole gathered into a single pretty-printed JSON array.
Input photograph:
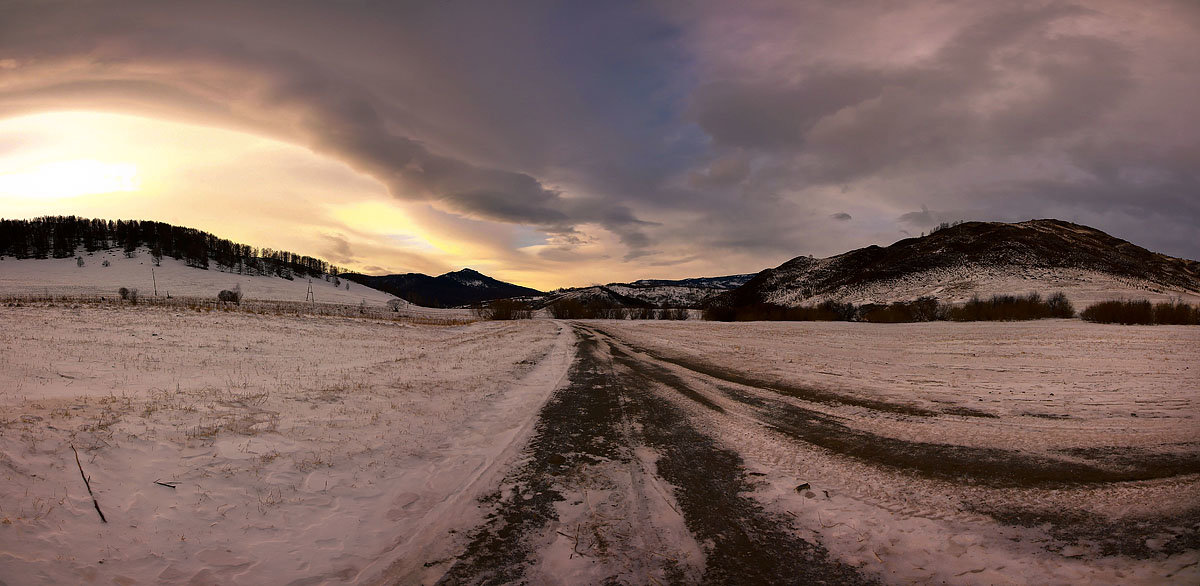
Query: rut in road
[
  {"x": 608, "y": 412},
  {"x": 992, "y": 468}
]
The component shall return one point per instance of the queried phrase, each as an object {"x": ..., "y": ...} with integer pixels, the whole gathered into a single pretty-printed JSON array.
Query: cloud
[
  {"x": 999, "y": 85},
  {"x": 724, "y": 172},
  {"x": 625, "y": 134},
  {"x": 337, "y": 249},
  {"x": 921, "y": 219},
  {"x": 237, "y": 81}
]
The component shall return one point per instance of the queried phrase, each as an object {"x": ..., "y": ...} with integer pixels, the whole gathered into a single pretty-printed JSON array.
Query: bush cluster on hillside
[
  {"x": 923, "y": 309},
  {"x": 1012, "y": 308},
  {"x": 503, "y": 309},
  {"x": 827, "y": 311},
  {"x": 1142, "y": 312},
  {"x": 600, "y": 309},
  {"x": 998, "y": 308},
  {"x": 127, "y": 294}
]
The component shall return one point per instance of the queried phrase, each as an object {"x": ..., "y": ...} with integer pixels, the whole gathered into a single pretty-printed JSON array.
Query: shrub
[
  {"x": 592, "y": 309},
  {"x": 1120, "y": 312},
  {"x": 1180, "y": 314},
  {"x": 1012, "y": 308},
  {"x": 999, "y": 307},
  {"x": 1060, "y": 306},
  {"x": 133, "y": 296},
  {"x": 504, "y": 309},
  {"x": 644, "y": 313},
  {"x": 609, "y": 312},
  {"x": 827, "y": 311},
  {"x": 124, "y": 293},
  {"x": 923, "y": 309},
  {"x": 233, "y": 296},
  {"x": 678, "y": 313},
  {"x": 718, "y": 313},
  {"x": 1141, "y": 312},
  {"x": 566, "y": 309}
]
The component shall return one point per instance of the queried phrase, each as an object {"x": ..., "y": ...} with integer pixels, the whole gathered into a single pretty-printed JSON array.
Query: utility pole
[{"x": 155, "y": 281}]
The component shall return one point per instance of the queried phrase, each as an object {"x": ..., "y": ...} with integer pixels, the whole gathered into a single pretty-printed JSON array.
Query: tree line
[
  {"x": 63, "y": 236},
  {"x": 997, "y": 308}
]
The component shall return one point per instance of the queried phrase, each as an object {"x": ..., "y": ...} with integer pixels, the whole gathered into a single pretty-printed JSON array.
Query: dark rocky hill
[
  {"x": 454, "y": 289},
  {"x": 976, "y": 258},
  {"x": 687, "y": 293}
]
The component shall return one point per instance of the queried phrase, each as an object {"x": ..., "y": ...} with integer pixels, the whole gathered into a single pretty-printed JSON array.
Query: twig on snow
[{"x": 88, "y": 484}]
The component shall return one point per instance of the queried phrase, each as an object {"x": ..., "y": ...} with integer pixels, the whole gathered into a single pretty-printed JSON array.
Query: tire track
[
  {"x": 809, "y": 394},
  {"x": 573, "y": 431},
  {"x": 994, "y": 470},
  {"x": 606, "y": 413},
  {"x": 990, "y": 467}
]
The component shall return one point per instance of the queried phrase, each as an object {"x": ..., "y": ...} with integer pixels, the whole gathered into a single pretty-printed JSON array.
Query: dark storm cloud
[
  {"x": 726, "y": 133},
  {"x": 1016, "y": 110},
  {"x": 850, "y": 122},
  {"x": 288, "y": 91},
  {"x": 767, "y": 114}
]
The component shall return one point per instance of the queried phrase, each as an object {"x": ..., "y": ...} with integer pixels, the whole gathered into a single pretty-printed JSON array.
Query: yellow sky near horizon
[{"x": 246, "y": 188}]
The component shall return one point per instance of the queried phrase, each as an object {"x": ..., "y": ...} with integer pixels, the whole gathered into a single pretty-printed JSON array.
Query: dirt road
[{"x": 650, "y": 469}]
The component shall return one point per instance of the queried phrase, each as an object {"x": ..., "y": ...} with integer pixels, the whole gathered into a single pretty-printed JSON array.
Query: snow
[
  {"x": 1052, "y": 386},
  {"x": 960, "y": 284},
  {"x": 317, "y": 448},
  {"x": 61, "y": 276}
]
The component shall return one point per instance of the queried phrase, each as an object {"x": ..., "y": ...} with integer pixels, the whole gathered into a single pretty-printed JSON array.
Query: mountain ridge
[
  {"x": 456, "y": 288},
  {"x": 974, "y": 258},
  {"x": 691, "y": 292}
]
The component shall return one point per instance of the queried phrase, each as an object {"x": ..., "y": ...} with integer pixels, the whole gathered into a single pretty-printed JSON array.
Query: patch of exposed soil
[
  {"x": 1135, "y": 537},
  {"x": 576, "y": 427}
]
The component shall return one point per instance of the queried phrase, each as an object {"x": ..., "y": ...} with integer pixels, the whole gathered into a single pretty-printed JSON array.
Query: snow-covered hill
[
  {"x": 63, "y": 276},
  {"x": 980, "y": 259},
  {"x": 653, "y": 292}
]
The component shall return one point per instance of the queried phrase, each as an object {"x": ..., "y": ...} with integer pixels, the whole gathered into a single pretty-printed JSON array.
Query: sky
[{"x": 570, "y": 143}]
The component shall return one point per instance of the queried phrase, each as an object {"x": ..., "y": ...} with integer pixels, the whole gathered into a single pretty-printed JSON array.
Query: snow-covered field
[
  {"x": 951, "y": 450},
  {"x": 317, "y": 449},
  {"x": 320, "y": 448}
]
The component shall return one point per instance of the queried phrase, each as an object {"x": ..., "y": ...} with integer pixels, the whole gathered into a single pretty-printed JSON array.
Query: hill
[
  {"x": 689, "y": 293},
  {"x": 137, "y": 270},
  {"x": 68, "y": 255},
  {"x": 463, "y": 287},
  {"x": 970, "y": 259}
]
